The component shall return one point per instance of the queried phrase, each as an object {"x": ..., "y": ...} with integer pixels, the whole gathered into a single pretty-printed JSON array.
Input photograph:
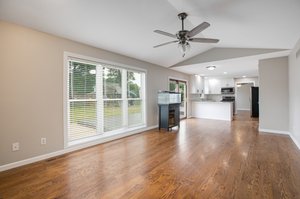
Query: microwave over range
[{"x": 227, "y": 90}]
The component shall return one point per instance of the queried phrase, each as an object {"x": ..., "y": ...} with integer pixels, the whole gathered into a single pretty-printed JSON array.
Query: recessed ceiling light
[
  {"x": 244, "y": 76},
  {"x": 211, "y": 67},
  {"x": 225, "y": 73}
]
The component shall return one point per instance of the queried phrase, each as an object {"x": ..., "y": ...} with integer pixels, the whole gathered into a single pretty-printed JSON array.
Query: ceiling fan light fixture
[
  {"x": 211, "y": 67},
  {"x": 184, "y": 47},
  {"x": 185, "y": 36}
]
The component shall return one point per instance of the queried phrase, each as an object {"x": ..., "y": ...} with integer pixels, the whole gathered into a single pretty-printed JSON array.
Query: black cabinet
[
  {"x": 254, "y": 102},
  {"x": 169, "y": 116}
]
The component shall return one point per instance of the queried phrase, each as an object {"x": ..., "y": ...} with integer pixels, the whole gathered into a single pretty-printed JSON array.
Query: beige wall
[
  {"x": 243, "y": 96},
  {"x": 274, "y": 94},
  {"x": 31, "y": 87},
  {"x": 294, "y": 92}
]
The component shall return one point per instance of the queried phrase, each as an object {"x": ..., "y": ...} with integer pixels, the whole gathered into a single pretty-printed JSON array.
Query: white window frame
[{"x": 99, "y": 87}]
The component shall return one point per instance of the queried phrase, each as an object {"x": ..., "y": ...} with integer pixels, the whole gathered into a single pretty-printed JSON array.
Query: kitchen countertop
[{"x": 198, "y": 101}]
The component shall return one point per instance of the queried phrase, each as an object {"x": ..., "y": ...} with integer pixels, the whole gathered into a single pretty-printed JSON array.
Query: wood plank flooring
[{"x": 204, "y": 159}]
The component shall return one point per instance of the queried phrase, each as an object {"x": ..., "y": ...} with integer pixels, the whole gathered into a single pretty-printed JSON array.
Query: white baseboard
[
  {"x": 243, "y": 109},
  {"x": 71, "y": 149},
  {"x": 295, "y": 141},
  {"x": 273, "y": 131},
  {"x": 282, "y": 133}
]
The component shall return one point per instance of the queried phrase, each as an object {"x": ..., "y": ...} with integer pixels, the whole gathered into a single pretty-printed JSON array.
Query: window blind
[{"x": 103, "y": 99}]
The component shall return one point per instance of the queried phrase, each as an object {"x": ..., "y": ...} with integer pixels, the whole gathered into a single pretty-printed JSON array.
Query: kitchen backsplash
[{"x": 206, "y": 97}]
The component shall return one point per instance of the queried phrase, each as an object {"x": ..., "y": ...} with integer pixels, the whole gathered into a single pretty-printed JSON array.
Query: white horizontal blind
[
  {"x": 112, "y": 98},
  {"x": 82, "y": 100},
  {"x": 135, "y": 98},
  {"x": 103, "y": 99}
]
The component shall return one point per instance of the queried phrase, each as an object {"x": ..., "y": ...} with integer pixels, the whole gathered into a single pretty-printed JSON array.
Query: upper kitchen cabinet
[
  {"x": 196, "y": 84},
  {"x": 214, "y": 85},
  {"x": 228, "y": 82}
]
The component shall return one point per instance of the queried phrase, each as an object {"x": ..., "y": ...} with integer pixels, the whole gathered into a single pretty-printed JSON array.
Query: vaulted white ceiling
[
  {"x": 229, "y": 62},
  {"x": 126, "y": 26}
]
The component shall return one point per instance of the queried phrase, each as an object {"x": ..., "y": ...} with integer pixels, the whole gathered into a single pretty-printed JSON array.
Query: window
[
  {"x": 103, "y": 99},
  {"x": 134, "y": 96},
  {"x": 82, "y": 100},
  {"x": 112, "y": 99}
]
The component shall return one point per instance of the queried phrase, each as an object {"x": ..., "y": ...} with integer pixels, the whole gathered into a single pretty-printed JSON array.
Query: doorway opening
[
  {"x": 243, "y": 98},
  {"x": 247, "y": 100},
  {"x": 180, "y": 86}
]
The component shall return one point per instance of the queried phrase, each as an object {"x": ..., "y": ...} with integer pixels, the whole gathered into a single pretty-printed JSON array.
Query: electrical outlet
[
  {"x": 16, "y": 146},
  {"x": 43, "y": 141}
]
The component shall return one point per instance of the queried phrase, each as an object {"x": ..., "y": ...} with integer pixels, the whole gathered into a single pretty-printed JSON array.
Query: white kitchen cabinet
[
  {"x": 214, "y": 85},
  {"x": 228, "y": 82},
  {"x": 213, "y": 110},
  {"x": 206, "y": 86},
  {"x": 196, "y": 84}
]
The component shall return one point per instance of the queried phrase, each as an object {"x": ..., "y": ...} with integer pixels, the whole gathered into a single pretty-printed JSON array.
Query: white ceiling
[
  {"x": 233, "y": 68},
  {"x": 233, "y": 64},
  {"x": 126, "y": 26}
]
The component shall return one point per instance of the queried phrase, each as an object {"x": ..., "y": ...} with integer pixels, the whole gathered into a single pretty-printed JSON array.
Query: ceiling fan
[{"x": 183, "y": 37}]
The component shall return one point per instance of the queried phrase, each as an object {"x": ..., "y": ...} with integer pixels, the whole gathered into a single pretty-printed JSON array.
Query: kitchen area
[
  {"x": 212, "y": 97},
  {"x": 220, "y": 97}
]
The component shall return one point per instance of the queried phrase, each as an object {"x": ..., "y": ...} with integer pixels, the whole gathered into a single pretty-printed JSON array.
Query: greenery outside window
[{"x": 103, "y": 99}]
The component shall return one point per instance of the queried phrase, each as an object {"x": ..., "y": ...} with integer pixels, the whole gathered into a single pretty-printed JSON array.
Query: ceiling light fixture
[
  {"x": 244, "y": 76},
  {"x": 211, "y": 67},
  {"x": 184, "y": 46},
  {"x": 225, "y": 73}
]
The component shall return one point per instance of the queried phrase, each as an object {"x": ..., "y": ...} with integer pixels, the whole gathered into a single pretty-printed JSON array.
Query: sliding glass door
[{"x": 181, "y": 87}]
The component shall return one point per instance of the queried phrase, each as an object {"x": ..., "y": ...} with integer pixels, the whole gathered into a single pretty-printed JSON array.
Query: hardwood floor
[{"x": 204, "y": 159}]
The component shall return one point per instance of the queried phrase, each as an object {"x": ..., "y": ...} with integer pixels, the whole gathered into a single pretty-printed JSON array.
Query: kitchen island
[{"x": 212, "y": 110}]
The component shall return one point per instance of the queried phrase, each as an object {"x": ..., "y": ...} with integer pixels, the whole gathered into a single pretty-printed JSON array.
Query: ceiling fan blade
[
  {"x": 204, "y": 40},
  {"x": 165, "y": 44},
  {"x": 198, "y": 29},
  {"x": 165, "y": 33}
]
